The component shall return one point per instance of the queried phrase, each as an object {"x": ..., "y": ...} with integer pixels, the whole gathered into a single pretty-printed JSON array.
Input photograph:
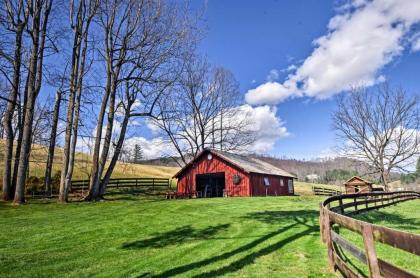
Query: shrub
[
  {"x": 34, "y": 183},
  {"x": 55, "y": 181}
]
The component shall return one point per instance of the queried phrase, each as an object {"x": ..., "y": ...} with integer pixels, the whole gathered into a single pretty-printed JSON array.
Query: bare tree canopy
[
  {"x": 380, "y": 126},
  {"x": 203, "y": 111},
  {"x": 144, "y": 41}
]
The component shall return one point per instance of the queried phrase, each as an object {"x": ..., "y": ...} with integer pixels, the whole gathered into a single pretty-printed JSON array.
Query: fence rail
[
  {"x": 337, "y": 210},
  {"x": 322, "y": 191},
  {"x": 83, "y": 185}
]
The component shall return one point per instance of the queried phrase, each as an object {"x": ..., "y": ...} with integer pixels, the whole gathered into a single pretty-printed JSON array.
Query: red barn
[{"x": 216, "y": 174}]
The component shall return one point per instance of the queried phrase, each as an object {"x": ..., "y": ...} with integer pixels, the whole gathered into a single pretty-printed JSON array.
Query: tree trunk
[
  {"x": 8, "y": 117},
  {"x": 107, "y": 138},
  {"x": 38, "y": 34},
  {"x": 116, "y": 154},
  {"x": 21, "y": 120},
  {"x": 75, "y": 125},
  {"x": 51, "y": 148},
  {"x": 63, "y": 194},
  {"x": 28, "y": 112},
  {"x": 385, "y": 180},
  {"x": 94, "y": 184}
]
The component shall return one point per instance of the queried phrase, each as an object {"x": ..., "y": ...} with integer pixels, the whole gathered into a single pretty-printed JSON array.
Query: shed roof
[
  {"x": 357, "y": 181},
  {"x": 245, "y": 163}
]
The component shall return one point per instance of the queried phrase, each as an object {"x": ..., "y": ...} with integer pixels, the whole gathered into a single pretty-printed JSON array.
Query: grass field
[
  {"x": 305, "y": 188},
  {"x": 131, "y": 236},
  {"x": 405, "y": 217}
]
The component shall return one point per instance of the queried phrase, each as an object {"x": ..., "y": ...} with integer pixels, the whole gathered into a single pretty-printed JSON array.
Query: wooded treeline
[{"x": 92, "y": 67}]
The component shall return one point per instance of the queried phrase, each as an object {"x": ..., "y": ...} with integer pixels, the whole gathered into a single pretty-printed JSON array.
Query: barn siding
[
  {"x": 186, "y": 183},
  {"x": 259, "y": 189}
]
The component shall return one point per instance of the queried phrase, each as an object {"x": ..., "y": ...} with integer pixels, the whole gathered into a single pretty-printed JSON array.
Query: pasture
[
  {"x": 83, "y": 164},
  {"x": 134, "y": 236}
]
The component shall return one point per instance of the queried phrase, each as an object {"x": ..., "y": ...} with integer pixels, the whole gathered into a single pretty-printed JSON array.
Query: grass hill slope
[{"x": 83, "y": 164}]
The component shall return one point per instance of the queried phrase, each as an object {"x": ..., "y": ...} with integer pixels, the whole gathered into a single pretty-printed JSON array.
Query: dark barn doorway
[{"x": 210, "y": 185}]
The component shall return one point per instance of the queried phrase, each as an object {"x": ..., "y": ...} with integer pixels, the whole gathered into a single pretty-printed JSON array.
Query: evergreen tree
[{"x": 137, "y": 153}]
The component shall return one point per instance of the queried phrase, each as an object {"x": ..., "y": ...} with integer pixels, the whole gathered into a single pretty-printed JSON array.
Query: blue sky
[{"x": 251, "y": 38}]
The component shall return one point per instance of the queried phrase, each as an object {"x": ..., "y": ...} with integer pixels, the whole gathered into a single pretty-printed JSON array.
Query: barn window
[
  {"x": 281, "y": 182},
  {"x": 236, "y": 179},
  {"x": 266, "y": 181}
]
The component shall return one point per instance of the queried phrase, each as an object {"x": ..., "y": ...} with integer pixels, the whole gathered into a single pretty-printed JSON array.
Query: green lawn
[
  {"x": 404, "y": 216},
  {"x": 131, "y": 236}
]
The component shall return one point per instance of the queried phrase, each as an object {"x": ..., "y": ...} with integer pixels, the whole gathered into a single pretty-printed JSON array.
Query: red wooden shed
[{"x": 215, "y": 174}]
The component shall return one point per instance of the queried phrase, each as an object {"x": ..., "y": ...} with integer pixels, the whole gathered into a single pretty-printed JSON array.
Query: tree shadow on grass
[
  {"x": 177, "y": 236},
  {"x": 294, "y": 219},
  {"x": 394, "y": 220},
  {"x": 341, "y": 252}
]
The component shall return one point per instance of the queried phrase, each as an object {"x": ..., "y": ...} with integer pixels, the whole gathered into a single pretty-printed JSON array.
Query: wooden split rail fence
[
  {"x": 83, "y": 185},
  {"x": 322, "y": 191},
  {"x": 337, "y": 210}
]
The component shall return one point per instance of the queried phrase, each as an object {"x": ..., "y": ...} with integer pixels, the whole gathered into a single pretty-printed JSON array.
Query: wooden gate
[{"x": 337, "y": 210}]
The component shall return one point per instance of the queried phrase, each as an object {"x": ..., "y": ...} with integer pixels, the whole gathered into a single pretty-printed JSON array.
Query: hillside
[
  {"x": 321, "y": 167},
  {"x": 83, "y": 164}
]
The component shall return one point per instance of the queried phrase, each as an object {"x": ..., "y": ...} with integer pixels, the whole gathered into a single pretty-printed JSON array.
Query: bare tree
[
  {"x": 143, "y": 40},
  {"x": 39, "y": 13},
  {"x": 381, "y": 127},
  {"x": 82, "y": 13},
  {"x": 119, "y": 21},
  {"x": 14, "y": 17},
  {"x": 203, "y": 111}
]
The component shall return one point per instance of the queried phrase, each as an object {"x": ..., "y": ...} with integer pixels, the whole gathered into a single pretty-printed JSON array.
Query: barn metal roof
[{"x": 246, "y": 163}]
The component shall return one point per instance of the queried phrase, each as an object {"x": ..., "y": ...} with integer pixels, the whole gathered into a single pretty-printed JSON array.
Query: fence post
[
  {"x": 355, "y": 205},
  {"x": 153, "y": 184},
  {"x": 340, "y": 201},
  {"x": 321, "y": 223},
  {"x": 371, "y": 257},
  {"x": 327, "y": 234}
]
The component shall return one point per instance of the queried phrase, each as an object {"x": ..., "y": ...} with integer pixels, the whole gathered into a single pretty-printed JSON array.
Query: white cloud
[
  {"x": 270, "y": 92},
  {"x": 152, "y": 148},
  {"x": 415, "y": 45},
  {"x": 292, "y": 67},
  {"x": 360, "y": 41},
  {"x": 273, "y": 75},
  {"x": 153, "y": 127},
  {"x": 267, "y": 127}
]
